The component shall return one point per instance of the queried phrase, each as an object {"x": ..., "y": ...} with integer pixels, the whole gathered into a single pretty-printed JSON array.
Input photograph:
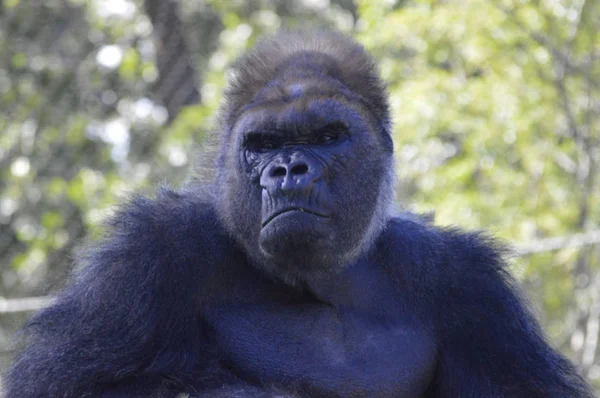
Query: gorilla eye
[
  {"x": 330, "y": 133},
  {"x": 261, "y": 143},
  {"x": 327, "y": 138},
  {"x": 266, "y": 145}
]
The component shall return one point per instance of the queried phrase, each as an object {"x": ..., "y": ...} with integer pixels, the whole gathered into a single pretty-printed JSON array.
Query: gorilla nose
[
  {"x": 288, "y": 177},
  {"x": 294, "y": 169}
]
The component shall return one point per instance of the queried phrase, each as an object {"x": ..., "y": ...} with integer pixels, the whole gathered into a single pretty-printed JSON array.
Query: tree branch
[
  {"x": 558, "y": 243},
  {"x": 23, "y": 304}
]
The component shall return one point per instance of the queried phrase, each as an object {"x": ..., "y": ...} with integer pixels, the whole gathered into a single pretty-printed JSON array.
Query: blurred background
[{"x": 496, "y": 107}]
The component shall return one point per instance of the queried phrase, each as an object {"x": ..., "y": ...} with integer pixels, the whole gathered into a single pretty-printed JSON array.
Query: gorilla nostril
[
  {"x": 299, "y": 169},
  {"x": 278, "y": 172}
]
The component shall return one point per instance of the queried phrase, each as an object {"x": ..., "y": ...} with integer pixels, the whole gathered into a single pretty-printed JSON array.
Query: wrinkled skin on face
[{"x": 309, "y": 176}]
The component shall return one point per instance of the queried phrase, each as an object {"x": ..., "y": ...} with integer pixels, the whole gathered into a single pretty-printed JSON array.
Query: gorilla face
[{"x": 309, "y": 176}]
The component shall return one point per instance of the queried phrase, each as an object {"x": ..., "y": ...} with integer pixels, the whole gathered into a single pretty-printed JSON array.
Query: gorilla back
[{"x": 288, "y": 275}]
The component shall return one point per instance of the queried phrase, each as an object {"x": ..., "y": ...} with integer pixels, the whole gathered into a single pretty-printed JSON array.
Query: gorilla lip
[{"x": 290, "y": 209}]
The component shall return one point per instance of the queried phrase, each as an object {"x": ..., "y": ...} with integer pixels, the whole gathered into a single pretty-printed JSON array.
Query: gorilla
[{"x": 288, "y": 273}]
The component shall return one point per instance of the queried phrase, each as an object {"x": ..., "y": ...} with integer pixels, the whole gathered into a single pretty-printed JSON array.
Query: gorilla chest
[{"x": 325, "y": 351}]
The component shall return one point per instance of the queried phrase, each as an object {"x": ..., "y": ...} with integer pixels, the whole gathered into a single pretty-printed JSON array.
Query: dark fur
[{"x": 140, "y": 319}]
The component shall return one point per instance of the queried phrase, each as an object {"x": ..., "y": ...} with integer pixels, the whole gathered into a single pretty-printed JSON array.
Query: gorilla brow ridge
[
  {"x": 270, "y": 125},
  {"x": 337, "y": 91}
]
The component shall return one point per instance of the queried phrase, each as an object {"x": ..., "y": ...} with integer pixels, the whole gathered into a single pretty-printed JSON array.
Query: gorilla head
[{"x": 305, "y": 165}]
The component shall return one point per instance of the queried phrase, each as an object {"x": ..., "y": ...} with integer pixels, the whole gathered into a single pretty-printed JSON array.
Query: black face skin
[{"x": 301, "y": 146}]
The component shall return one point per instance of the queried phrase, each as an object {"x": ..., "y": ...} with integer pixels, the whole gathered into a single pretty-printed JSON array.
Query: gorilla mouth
[{"x": 290, "y": 209}]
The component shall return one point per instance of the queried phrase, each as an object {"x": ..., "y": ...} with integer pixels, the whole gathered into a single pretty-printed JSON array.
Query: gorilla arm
[
  {"x": 128, "y": 325},
  {"x": 491, "y": 346}
]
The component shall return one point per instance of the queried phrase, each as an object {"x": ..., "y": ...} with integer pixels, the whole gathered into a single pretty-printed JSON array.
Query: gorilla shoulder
[
  {"x": 411, "y": 240},
  {"x": 176, "y": 230},
  {"x": 441, "y": 256}
]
